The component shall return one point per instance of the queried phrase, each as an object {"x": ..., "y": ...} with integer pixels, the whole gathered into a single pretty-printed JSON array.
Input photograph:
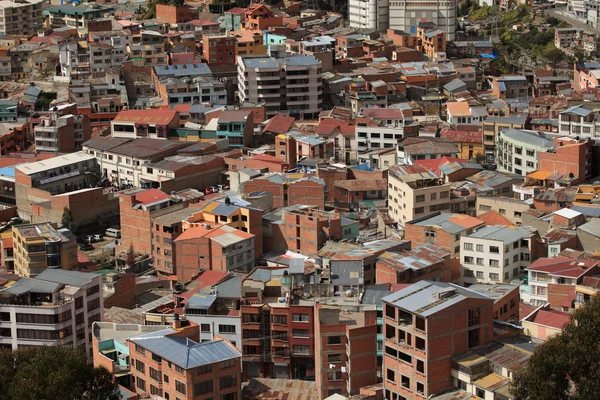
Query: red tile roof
[
  {"x": 151, "y": 196},
  {"x": 466, "y": 221},
  {"x": 362, "y": 184},
  {"x": 279, "y": 124},
  {"x": 551, "y": 318},
  {"x": 462, "y": 135},
  {"x": 207, "y": 278},
  {"x": 493, "y": 218},
  {"x": 525, "y": 310},
  {"x": 267, "y": 158},
  {"x": 162, "y": 117},
  {"x": 328, "y": 125}
]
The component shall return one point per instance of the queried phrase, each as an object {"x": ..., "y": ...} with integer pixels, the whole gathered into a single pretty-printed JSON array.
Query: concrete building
[
  {"x": 578, "y": 121},
  {"x": 414, "y": 191},
  {"x": 412, "y": 149},
  {"x": 55, "y": 308},
  {"x": 265, "y": 79},
  {"x": 153, "y": 124},
  {"x": 76, "y": 16},
  {"x": 21, "y": 18},
  {"x": 570, "y": 157},
  {"x": 289, "y": 189},
  {"x": 38, "y": 247},
  {"x": 517, "y": 150},
  {"x": 511, "y": 87},
  {"x": 495, "y": 124},
  {"x": 406, "y": 16},
  {"x": 511, "y": 209},
  {"x": 237, "y": 126},
  {"x": 173, "y": 362},
  {"x": 369, "y": 14},
  {"x": 418, "y": 342},
  {"x": 496, "y": 254}
]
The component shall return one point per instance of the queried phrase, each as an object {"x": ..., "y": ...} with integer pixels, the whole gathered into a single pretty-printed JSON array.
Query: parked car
[
  {"x": 86, "y": 247},
  {"x": 93, "y": 238},
  {"x": 208, "y": 191},
  {"x": 223, "y": 187},
  {"x": 214, "y": 189}
]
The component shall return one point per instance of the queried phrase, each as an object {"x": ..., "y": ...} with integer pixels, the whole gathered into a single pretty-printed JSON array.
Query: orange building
[
  {"x": 261, "y": 17},
  {"x": 14, "y": 137},
  {"x": 431, "y": 41},
  {"x": 176, "y": 15},
  {"x": 570, "y": 156},
  {"x": 219, "y": 49}
]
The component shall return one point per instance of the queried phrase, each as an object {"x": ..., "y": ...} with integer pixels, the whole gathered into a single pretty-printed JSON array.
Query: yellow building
[
  {"x": 249, "y": 43},
  {"x": 468, "y": 141},
  {"x": 37, "y": 247},
  {"x": 432, "y": 42}
]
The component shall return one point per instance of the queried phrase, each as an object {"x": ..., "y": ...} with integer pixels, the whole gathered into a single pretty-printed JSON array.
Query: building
[
  {"x": 237, "y": 126},
  {"x": 260, "y": 81},
  {"x": 406, "y": 16},
  {"x": 412, "y": 149},
  {"x": 509, "y": 208},
  {"x": 506, "y": 300},
  {"x": 14, "y": 137},
  {"x": 152, "y": 124},
  {"x": 289, "y": 189},
  {"x": 372, "y": 14},
  {"x": 496, "y": 254},
  {"x": 185, "y": 90},
  {"x": 358, "y": 193},
  {"x": 468, "y": 141},
  {"x": 61, "y": 131},
  {"x": 261, "y": 17},
  {"x": 422, "y": 263},
  {"x": 176, "y": 15},
  {"x": 55, "y": 308},
  {"x": 21, "y": 18},
  {"x": 213, "y": 247},
  {"x": 517, "y": 150},
  {"x": 38, "y": 247},
  {"x": 443, "y": 230},
  {"x": 219, "y": 48},
  {"x": 461, "y": 113},
  {"x": 432, "y": 41},
  {"x": 76, "y": 16},
  {"x": 418, "y": 342},
  {"x": 578, "y": 121},
  {"x": 511, "y": 87},
  {"x": 414, "y": 191},
  {"x": 173, "y": 362},
  {"x": 496, "y": 124},
  {"x": 565, "y": 37},
  {"x": 553, "y": 280},
  {"x": 588, "y": 235},
  {"x": 570, "y": 157}
]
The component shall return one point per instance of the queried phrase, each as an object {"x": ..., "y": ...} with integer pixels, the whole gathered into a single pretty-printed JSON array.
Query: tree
[
  {"x": 53, "y": 372},
  {"x": 66, "y": 219},
  {"x": 567, "y": 365},
  {"x": 130, "y": 257}
]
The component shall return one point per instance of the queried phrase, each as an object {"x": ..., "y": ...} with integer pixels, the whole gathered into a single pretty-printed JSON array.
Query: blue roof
[
  {"x": 8, "y": 171},
  {"x": 363, "y": 167},
  {"x": 184, "y": 352}
]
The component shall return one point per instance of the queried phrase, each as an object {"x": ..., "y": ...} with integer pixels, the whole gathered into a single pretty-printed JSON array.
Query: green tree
[
  {"x": 567, "y": 365},
  {"x": 66, "y": 219},
  {"x": 53, "y": 372}
]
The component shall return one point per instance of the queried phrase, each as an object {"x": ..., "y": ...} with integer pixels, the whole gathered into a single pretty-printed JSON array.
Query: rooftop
[
  {"x": 52, "y": 163},
  {"x": 452, "y": 223},
  {"x": 505, "y": 234}
]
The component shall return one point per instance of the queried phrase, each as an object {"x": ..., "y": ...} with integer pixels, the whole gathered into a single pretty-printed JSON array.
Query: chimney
[{"x": 176, "y": 324}]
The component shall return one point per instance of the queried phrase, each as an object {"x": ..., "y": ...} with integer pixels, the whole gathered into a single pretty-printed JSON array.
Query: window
[
  {"x": 300, "y": 317},
  {"x": 334, "y": 358},
  {"x": 468, "y": 273},
  {"x": 227, "y": 381},
  {"x": 333, "y": 340},
  {"x": 494, "y": 263},
  {"x": 226, "y": 328},
  {"x": 444, "y": 195},
  {"x": 179, "y": 370},
  {"x": 474, "y": 317},
  {"x": 494, "y": 249},
  {"x": 479, "y": 274},
  {"x": 180, "y": 386},
  {"x": 391, "y": 375},
  {"x": 204, "y": 327},
  {"x": 227, "y": 364},
  {"x": 301, "y": 349},
  {"x": 334, "y": 376},
  {"x": 479, "y": 261},
  {"x": 433, "y": 196},
  {"x": 156, "y": 375},
  {"x": 300, "y": 333},
  {"x": 139, "y": 349},
  {"x": 484, "y": 208},
  {"x": 203, "y": 387},
  {"x": 468, "y": 246},
  {"x": 140, "y": 366},
  {"x": 419, "y": 210},
  {"x": 479, "y": 248},
  {"x": 204, "y": 369},
  {"x": 156, "y": 391},
  {"x": 141, "y": 384},
  {"x": 420, "y": 198},
  {"x": 468, "y": 260},
  {"x": 280, "y": 319},
  {"x": 494, "y": 276}
]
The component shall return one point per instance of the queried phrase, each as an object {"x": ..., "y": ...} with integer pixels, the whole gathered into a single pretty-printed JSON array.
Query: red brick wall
[
  {"x": 135, "y": 226},
  {"x": 363, "y": 357},
  {"x": 559, "y": 295},
  {"x": 124, "y": 295},
  {"x": 175, "y": 15},
  {"x": 570, "y": 158}
]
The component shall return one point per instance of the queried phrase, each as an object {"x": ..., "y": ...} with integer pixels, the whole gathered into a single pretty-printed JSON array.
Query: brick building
[
  {"x": 442, "y": 230},
  {"x": 289, "y": 189},
  {"x": 306, "y": 231},
  {"x": 425, "y": 325},
  {"x": 218, "y": 48},
  {"x": 172, "y": 363},
  {"x": 570, "y": 157},
  {"x": 506, "y": 300},
  {"x": 176, "y": 15},
  {"x": 212, "y": 247},
  {"x": 351, "y": 194},
  {"x": 345, "y": 350}
]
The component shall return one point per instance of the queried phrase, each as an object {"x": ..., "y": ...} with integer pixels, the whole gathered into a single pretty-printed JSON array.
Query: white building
[
  {"x": 495, "y": 254},
  {"x": 57, "y": 307},
  {"x": 406, "y": 15},
  {"x": 290, "y": 85},
  {"x": 21, "y": 17},
  {"x": 104, "y": 56},
  {"x": 517, "y": 150},
  {"x": 578, "y": 121},
  {"x": 369, "y": 14},
  {"x": 461, "y": 113}
]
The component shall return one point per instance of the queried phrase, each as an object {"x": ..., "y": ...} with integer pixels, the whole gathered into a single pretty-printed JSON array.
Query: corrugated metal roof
[
  {"x": 72, "y": 278},
  {"x": 505, "y": 234}
]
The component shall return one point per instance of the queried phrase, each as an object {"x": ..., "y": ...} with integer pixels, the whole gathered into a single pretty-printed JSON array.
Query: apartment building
[
  {"x": 406, "y": 16},
  {"x": 443, "y": 230},
  {"x": 496, "y": 254},
  {"x": 289, "y": 189},
  {"x": 564, "y": 37},
  {"x": 422, "y": 263},
  {"x": 419, "y": 343},
  {"x": 553, "y": 280},
  {"x": 152, "y": 54},
  {"x": 517, "y": 150},
  {"x": 414, "y": 191},
  {"x": 61, "y": 132},
  {"x": 76, "y": 16},
  {"x": 155, "y": 124},
  {"x": 105, "y": 56},
  {"x": 173, "y": 363},
  {"x": 55, "y": 308},
  {"x": 369, "y": 14},
  {"x": 37, "y": 247},
  {"x": 306, "y": 231},
  {"x": 21, "y": 18},
  {"x": 237, "y": 126},
  {"x": 290, "y": 85},
  {"x": 509, "y": 208},
  {"x": 219, "y": 48},
  {"x": 432, "y": 41},
  {"x": 412, "y": 149},
  {"x": 345, "y": 350},
  {"x": 496, "y": 124},
  {"x": 188, "y": 90},
  {"x": 14, "y": 137}
]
